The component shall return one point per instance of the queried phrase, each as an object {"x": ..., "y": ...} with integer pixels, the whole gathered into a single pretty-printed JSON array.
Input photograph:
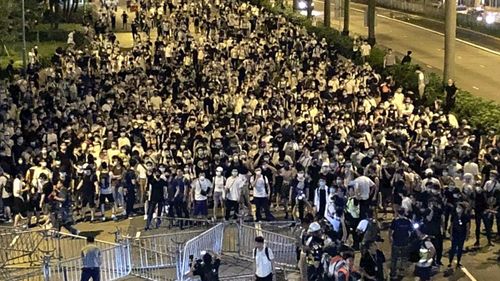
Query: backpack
[
  {"x": 266, "y": 250},
  {"x": 337, "y": 266}
]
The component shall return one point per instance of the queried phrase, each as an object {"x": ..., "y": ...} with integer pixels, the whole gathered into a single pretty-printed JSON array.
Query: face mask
[
  {"x": 375, "y": 162},
  {"x": 43, "y": 164},
  {"x": 202, "y": 177},
  {"x": 339, "y": 182},
  {"x": 218, "y": 173},
  {"x": 322, "y": 184},
  {"x": 459, "y": 210},
  {"x": 258, "y": 173},
  {"x": 234, "y": 174},
  {"x": 478, "y": 189},
  {"x": 162, "y": 169},
  {"x": 445, "y": 174}
]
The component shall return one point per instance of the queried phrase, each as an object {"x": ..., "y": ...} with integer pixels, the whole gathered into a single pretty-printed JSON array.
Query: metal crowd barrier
[
  {"x": 155, "y": 257},
  {"x": 208, "y": 240},
  {"x": 283, "y": 247},
  {"x": 115, "y": 264}
]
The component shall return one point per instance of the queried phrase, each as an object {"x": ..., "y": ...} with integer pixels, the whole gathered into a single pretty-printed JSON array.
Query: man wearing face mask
[
  {"x": 298, "y": 194},
  {"x": 88, "y": 188},
  {"x": 321, "y": 197},
  {"x": 261, "y": 188},
  {"x": 479, "y": 201},
  {"x": 201, "y": 187},
  {"x": 219, "y": 184},
  {"x": 459, "y": 233},
  {"x": 232, "y": 192},
  {"x": 156, "y": 196}
]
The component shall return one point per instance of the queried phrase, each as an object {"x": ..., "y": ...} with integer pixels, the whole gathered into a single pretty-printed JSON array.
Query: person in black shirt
[
  {"x": 459, "y": 232},
  {"x": 451, "y": 94},
  {"x": 88, "y": 188},
  {"x": 156, "y": 196},
  {"x": 480, "y": 205},
  {"x": 399, "y": 235},
  {"x": 207, "y": 268},
  {"x": 372, "y": 263},
  {"x": 130, "y": 188}
]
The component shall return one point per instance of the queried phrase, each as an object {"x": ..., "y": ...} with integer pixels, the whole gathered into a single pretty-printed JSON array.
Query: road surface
[{"x": 477, "y": 71}]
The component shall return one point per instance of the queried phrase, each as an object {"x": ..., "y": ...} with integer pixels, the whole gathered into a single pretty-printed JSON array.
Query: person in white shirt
[
  {"x": 6, "y": 195},
  {"x": 232, "y": 193},
  {"x": 219, "y": 185},
  {"x": 200, "y": 190},
  {"x": 260, "y": 185},
  {"x": 471, "y": 167},
  {"x": 364, "y": 188},
  {"x": 263, "y": 261},
  {"x": 365, "y": 50},
  {"x": 18, "y": 188}
]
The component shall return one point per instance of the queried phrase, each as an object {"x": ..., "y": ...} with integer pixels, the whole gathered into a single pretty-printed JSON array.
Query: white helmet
[{"x": 313, "y": 227}]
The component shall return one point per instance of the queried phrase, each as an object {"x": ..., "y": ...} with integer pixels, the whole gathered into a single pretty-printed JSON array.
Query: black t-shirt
[
  {"x": 208, "y": 272},
  {"x": 459, "y": 224},
  {"x": 402, "y": 229},
  {"x": 373, "y": 265},
  {"x": 157, "y": 189}
]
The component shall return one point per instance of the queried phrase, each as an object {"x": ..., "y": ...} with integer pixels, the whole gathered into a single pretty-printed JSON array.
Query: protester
[
  {"x": 263, "y": 261},
  {"x": 91, "y": 261}
]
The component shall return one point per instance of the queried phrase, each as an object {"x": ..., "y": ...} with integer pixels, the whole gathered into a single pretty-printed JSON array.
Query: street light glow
[{"x": 490, "y": 18}]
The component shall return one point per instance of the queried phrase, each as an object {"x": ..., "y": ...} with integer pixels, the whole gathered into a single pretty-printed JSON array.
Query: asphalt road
[{"x": 477, "y": 71}]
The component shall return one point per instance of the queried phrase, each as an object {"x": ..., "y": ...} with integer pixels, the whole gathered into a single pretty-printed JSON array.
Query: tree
[
  {"x": 309, "y": 8},
  {"x": 371, "y": 22},
  {"x": 327, "y": 19},
  {"x": 345, "y": 30},
  {"x": 11, "y": 18}
]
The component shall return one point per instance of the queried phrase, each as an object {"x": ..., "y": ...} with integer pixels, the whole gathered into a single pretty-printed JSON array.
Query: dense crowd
[{"x": 230, "y": 108}]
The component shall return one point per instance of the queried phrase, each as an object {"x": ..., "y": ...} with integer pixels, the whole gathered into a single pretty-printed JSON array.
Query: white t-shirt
[
  {"x": 17, "y": 186},
  {"x": 219, "y": 183},
  {"x": 362, "y": 184},
  {"x": 198, "y": 186},
  {"x": 3, "y": 182},
  {"x": 263, "y": 265},
  {"x": 259, "y": 186},
  {"x": 233, "y": 188}
]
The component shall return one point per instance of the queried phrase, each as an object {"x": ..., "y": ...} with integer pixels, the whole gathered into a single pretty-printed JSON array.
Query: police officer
[{"x": 312, "y": 253}]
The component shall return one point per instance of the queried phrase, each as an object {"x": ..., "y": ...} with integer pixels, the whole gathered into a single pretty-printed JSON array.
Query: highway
[{"x": 477, "y": 70}]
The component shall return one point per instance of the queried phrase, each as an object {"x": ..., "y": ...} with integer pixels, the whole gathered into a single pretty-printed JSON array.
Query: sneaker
[
  {"x": 145, "y": 217},
  {"x": 113, "y": 217},
  {"x": 103, "y": 219}
]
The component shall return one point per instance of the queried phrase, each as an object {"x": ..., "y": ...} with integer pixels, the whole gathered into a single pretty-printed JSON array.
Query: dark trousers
[
  {"x": 262, "y": 203},
  {"x": 151, "y": 209},
  {"x": 129, "y": 202},
  {"x": 457, "y": 246},
  {"x": 90, "y": 272},
  {"x": 181, "y": 210},
  {"x": 437, "y": 241},
  {"x": 364, "y": 208},
  {"x": 231, "y": 206},
  {"x": 267, "y": 278}
]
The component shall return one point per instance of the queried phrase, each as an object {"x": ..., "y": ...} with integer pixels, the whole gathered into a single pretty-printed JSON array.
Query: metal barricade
[
  {"x": 208, "y": 240},
  {"x": 115, "y": 264},
  {"x": 155, "y": 257},
  {"x": 283, "y": 247}
]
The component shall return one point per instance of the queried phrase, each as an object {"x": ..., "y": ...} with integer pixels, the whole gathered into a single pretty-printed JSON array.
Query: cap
[
  {"x": 313, "y": 227},
  {"x": 219, "y": 169},
  {"x": 428, "y": 171}
]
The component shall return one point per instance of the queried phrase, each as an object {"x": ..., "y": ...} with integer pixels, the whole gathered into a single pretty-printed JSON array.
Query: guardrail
[
  {"x": 115, "y": 264},
  {"x": 208, "y": 240}
]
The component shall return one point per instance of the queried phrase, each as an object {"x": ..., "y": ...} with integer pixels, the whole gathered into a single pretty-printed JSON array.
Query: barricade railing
[
  {"x": 28, "y": 247},
  {"x": 283, "y": 247},
  {"x": 155, "y": 257},
  {"x": 115, "y": 264},
  {"x": 208, "y": 240}
]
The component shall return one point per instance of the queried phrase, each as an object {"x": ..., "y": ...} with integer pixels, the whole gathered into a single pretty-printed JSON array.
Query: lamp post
[
  {"x": 24, "y": 38},
  {"x": 449, "y": 39}
]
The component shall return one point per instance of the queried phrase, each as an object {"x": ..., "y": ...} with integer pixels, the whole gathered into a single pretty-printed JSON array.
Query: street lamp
[{"x": 24, "y": 38}]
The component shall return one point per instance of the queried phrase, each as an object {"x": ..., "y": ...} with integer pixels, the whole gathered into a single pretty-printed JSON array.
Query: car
[{"x": 302, "y": 5}]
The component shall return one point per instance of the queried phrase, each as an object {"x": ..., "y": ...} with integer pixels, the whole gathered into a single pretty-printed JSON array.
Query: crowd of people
[{"x": 230, "y": 108}]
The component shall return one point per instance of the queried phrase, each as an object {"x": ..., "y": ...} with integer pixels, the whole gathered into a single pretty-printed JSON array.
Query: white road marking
[
  {"x": 464, "y": 270},
  {"x": 482, "y": 66},
  {"x": 138, "y": 234},
  {"x": 428, "y": 66},
  {"x": 435, "y": 32},
  {"x": 475, "y": 88}
]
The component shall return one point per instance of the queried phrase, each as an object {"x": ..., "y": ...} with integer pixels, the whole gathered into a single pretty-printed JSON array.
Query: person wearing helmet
[
  {"x": 219, "y": 182},
  {"x": 312, "y": 252}
]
